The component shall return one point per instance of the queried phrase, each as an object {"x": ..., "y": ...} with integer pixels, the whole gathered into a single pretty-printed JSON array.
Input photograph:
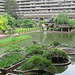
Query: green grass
[
  {"x": 11, "y": 59},
  {"x": 14, "y": 39}
]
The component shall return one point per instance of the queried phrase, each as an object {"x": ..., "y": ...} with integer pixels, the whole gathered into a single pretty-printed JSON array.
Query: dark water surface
[{"x": 46, "y": 38}]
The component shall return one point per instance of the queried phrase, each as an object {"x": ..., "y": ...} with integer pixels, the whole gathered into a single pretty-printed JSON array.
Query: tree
[
  {"x": 29, "y": 23},
  {"x": 11, "y": 7},
  {"x": 1, "y": 25},
  {"x": 18, "y": 22},
  {"x": 4, "y": 22},
  {"x": 62, "y": 18},
  {"x": 11, "y": 20}
]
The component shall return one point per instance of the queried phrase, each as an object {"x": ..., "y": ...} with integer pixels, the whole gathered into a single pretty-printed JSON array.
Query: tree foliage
[
  {"x": 34, "y": 50},
  {"x": 41, "y": 22},
  {"x": 55, "y": 52},
  {"x": 29, "y": 23},
  {"x": 18, "y": 22},
  {"x": 3, "y": 23},
  {"x": 71, "y": 22},
  {"x": 60, "y": 19},
  {"x": 11, "y": 7},
  {"x": 11, "y": 20}
]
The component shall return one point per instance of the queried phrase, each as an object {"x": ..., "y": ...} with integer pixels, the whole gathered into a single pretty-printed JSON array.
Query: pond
[
  {"x": 69, "y": 69},
  {"x": 46, "y": 38}
]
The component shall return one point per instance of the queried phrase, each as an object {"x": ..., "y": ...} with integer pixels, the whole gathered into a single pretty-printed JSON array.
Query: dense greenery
[
  {"x": 13, "y": 48},
  {"x": 29, "y": 23},
  {"x": 11, "y": 7},
  {"x": 41, "y": 22},
  {"x": 11, "y": 59},
  {"x": 62, "y": 18},
  {"x": 3, "y": 23},
  {"x": 34, "y": 50},
  {"x": 13, "y": 39},
  {"x": 11, "y": 20},
  {"x": 55, "y": 53},
  {"x": 37, "y": 62},
  {"x": 18, "y": 22}
]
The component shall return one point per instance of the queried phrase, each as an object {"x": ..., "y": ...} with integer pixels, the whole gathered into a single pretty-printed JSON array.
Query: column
[
  {"x": 61, "y": 29},
  {"x": 68, "y": 29}
]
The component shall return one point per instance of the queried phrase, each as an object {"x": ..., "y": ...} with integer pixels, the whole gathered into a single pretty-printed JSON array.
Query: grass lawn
[{"x": 13, "y": 39}]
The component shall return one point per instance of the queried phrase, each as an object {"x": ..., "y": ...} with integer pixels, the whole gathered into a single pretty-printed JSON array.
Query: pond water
[
  {"x": 69, "y": 69},
  {"x": 46, "y": 38}
]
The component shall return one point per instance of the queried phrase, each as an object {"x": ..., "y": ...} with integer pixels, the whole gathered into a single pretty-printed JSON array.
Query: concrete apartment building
[
  {"x": 43, "y": 9},
  {"x": 1, "y": 7}
]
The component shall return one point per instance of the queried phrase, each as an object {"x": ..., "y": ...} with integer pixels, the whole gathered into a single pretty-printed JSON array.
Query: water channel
[{"x": 46, "y": 38}]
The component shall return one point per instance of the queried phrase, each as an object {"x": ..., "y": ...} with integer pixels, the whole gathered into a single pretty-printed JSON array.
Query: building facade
[
  {"x": 43, "y": 9},
  {"x": 1, "y": 6}
]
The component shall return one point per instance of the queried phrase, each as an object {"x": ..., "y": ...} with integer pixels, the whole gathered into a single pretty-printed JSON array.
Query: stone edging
[{"x": 63, "y": 64}]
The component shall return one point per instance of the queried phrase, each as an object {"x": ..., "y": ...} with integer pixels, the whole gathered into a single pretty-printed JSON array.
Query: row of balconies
[
  {"x": 54, "y": 2},
  {"x": 43, "y": 15},
  {"x": 69, "y": 11},
  {"x": 47, "y": 8},
  {"x": 46, "y": 5}
]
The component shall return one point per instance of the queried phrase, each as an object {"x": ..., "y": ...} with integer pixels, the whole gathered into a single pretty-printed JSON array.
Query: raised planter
[
  {"x": 63, "y": 64},
  {"x": 10, "y": 69}
]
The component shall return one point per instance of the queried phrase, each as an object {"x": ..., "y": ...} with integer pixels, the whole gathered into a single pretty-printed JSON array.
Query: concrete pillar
[
  {"x": 68, "y": 29},
  {"x": 54, "y": 25},
  {"x": 43, "y": 19},
  {"x": 61, "y": 29}
]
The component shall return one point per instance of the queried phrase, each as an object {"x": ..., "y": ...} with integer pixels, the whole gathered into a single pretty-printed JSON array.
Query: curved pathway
[{"x": 70, "y": 51}]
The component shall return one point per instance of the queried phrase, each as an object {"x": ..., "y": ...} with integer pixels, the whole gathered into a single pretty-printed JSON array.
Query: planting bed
[{"x": 9, "y": 62}]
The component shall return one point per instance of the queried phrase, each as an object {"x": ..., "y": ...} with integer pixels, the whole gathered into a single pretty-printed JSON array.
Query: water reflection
[
  {"x": 70, "y": 68},
  {"x": 46, "y": 38}
]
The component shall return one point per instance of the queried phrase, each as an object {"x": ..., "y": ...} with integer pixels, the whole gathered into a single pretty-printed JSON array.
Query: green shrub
[
  {"x": 56, "y": 43},
  {"x": 51, "y": 44},
  {"x": 51, "y": 28},
  {"x": 41, "y": 22},
  {"x": 34, "y": 49},
  {"x": 55, "y": 53},
  {"x": 13, "y": 48},
  {"x": 37, "y": 62},
  {"x": 63, "y": 44},
  {"x": 29, "y": 23},
  {"x": 57, "y": 29}
]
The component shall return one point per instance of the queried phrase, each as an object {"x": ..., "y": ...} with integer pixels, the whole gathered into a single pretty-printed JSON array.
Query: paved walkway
[
  {"x": 70, "y": 51},
  {"x": 3, "y": 36}
]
